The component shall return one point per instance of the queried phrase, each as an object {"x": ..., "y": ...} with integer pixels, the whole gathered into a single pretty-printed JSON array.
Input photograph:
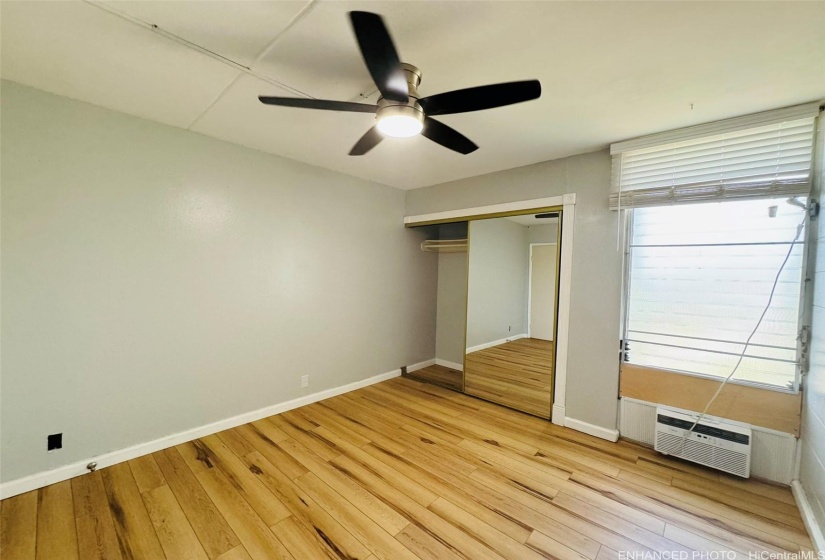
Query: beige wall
[
  {"x": 812, "y": 441},
  {"x": 156, "y": 280},
  {"x": 593, "y": 366}
]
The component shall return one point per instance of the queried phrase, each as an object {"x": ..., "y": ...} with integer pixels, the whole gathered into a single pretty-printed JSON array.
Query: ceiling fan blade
[
  {"x": 319, "y": 104},
  {"x": 380, "y": 55},
  {"x": 367, "y": 142},
  {"x": 481, "y": 97},
  {"x": 448, "y": 137}
]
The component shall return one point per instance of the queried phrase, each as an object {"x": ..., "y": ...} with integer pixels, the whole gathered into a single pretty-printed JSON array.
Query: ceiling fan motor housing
[
  {"x": 389, "y": 108},
  {"x": 413, "y": 75},
  {"x": 393, "y": 108}
]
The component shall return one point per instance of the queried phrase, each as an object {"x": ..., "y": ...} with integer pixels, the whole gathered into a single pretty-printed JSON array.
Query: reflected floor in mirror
[
  {"x": 518, "y": 374},
  {"x": 438, "y": 375}
]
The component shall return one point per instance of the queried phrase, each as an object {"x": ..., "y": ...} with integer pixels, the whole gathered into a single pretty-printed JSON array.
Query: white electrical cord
[{"x": 753, "y": 333}]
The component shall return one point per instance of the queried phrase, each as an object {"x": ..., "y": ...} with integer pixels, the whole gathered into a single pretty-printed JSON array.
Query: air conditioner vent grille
[{"x": 721, "y": 446}]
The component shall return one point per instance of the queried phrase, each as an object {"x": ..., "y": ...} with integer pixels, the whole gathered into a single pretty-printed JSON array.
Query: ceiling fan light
[
  {"x": 400, "y": 126},
  {"x": 399, "y": 121}
]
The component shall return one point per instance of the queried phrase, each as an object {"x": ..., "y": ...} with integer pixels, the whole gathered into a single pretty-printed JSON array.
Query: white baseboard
[
  {"x": 421, "y": 365},
  {"x": 451, "y": 365},
  {"x": 495, "y": 343},
  {"x": 558, "y": 415},
  {"x": 591, "y": 429},
  {"x": 808, "y": 517},
  {"x": 38, "y": 480}
]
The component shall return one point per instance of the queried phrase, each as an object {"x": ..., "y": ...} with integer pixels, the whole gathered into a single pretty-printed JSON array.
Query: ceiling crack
[
  {"x": 300, "y": 15},
  {"x": 242, "y": 69}
]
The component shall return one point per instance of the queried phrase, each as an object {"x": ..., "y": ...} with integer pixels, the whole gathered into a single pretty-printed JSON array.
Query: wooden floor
[
  {"x": 518, "y": 374},
  {"x": 440, "y": 375},
  {"x": 399, "y": 470}
]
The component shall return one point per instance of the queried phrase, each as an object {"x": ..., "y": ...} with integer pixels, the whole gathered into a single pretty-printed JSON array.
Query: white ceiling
[
  {"x": 531, "y": 220},
  {"x": 609, "y": 71}
]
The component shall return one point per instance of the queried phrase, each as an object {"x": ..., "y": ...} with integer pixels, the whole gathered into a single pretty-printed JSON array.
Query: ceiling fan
[{"x": 400, "y": 112}]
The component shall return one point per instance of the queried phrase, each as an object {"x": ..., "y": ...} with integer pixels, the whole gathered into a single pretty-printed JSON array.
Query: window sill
[
  {"x": 742, "y": 382},
  {"x": 767, "y": 408}
]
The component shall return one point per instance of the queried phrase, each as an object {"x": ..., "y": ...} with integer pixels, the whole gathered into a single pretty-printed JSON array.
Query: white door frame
[
  {"x": 530, "y": 287},
  {"x": 568, "y": 204}
]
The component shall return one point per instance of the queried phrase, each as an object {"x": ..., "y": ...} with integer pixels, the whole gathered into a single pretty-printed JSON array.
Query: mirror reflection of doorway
[
  {"x": 511, "y": 311},
  {"x": 542, "y": 293}
]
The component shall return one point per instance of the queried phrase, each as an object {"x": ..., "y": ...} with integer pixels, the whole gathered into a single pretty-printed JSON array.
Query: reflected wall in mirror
[{"x": 511, "y": 311}]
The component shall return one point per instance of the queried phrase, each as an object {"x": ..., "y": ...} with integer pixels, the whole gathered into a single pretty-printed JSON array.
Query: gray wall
[
  {"x": 156, "y": 280},
  {"x": 548, "y": 233},
  {"x": 497, "y": 285},
  {"x": 452, "y": 307},
  {"x": 593, "y": 366},
  {"x": 812, "y": 467}
]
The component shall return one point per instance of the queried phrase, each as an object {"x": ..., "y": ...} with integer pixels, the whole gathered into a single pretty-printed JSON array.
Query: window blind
[{"x": 760, "y": 156}]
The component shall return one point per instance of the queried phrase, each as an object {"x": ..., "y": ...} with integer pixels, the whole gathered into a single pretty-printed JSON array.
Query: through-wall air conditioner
[{"x": 716, "y": 443}]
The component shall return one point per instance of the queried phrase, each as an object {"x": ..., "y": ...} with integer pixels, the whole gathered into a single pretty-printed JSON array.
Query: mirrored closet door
[{"x": 511, "y": 311}]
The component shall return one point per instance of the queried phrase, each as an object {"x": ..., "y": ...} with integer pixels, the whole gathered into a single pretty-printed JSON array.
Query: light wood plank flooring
[
  {"x": 399, "y": 470},
  {"x": 518, "y": 374},
  {"x": 440, "y": 375}
]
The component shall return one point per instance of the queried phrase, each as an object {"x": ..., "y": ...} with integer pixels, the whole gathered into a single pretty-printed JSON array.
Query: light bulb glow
[{"x": 400, "y": 126}]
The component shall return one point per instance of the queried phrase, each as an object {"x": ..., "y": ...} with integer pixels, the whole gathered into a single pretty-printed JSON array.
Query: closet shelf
[{"x": 444, "y": 246}]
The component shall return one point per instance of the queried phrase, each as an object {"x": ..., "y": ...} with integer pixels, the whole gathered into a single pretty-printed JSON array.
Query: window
[
  {"x": 700, "y": 276},
  {"x": 710, "y": 227}
]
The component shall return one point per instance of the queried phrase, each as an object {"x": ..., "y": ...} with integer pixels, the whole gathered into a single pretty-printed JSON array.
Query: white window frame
[{"x": 804, "y": 312}]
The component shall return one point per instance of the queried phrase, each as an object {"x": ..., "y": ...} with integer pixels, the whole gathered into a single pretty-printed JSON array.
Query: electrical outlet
[
  {"x": 54, "y": 441},
  {"x": 304, "y": 381}
]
